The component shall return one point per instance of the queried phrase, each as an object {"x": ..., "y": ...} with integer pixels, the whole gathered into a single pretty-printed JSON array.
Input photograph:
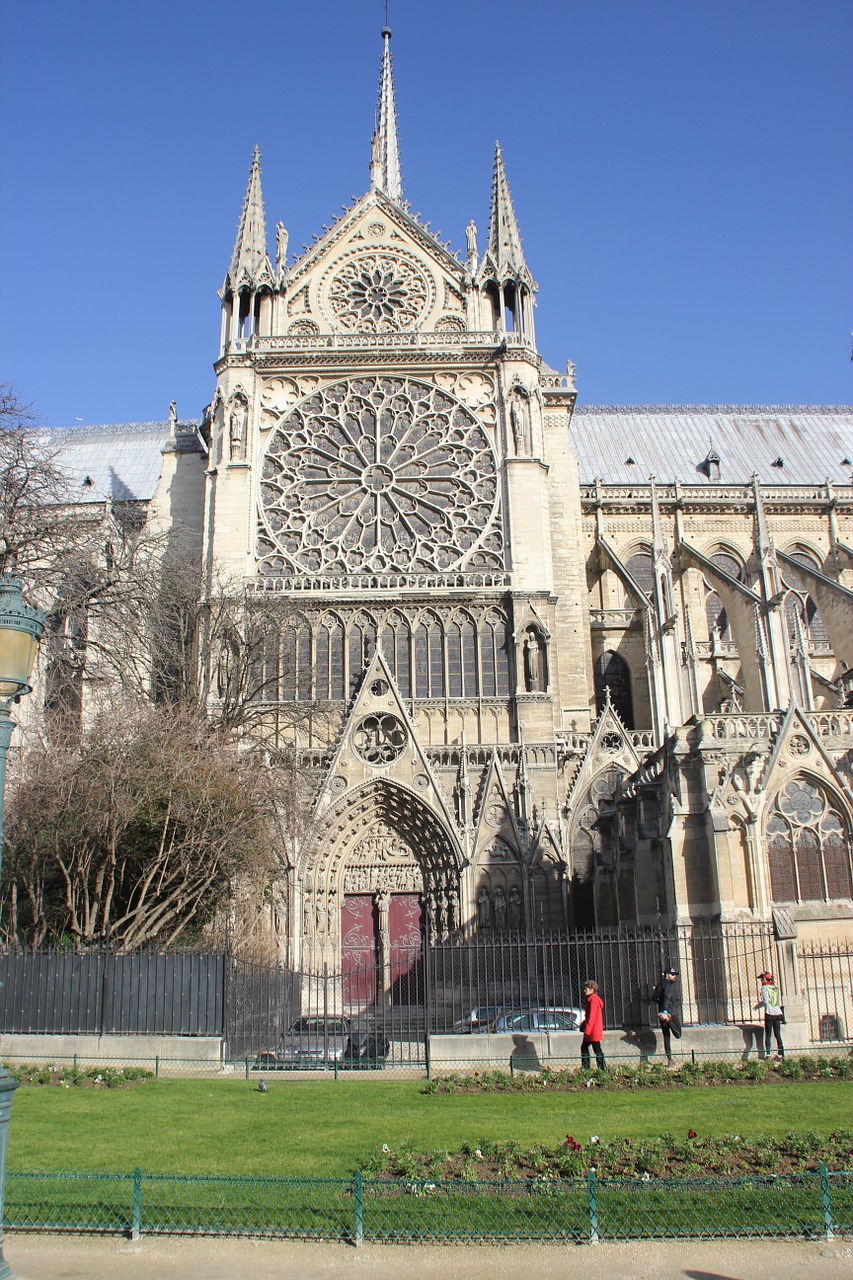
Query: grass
[{"x": 327, "y": 1128}]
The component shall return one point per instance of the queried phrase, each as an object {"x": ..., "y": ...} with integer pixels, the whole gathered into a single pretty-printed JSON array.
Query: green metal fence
[{"x": 815, "y": 1205}]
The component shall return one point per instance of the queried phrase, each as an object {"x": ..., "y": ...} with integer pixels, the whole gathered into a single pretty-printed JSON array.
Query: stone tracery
[
  {"x": 378, "y": 293},
  {"x": 379, "y": 475}
]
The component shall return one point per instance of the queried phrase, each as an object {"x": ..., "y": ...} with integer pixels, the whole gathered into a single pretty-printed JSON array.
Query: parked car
[
  {"x": 538, "y": 1020},
  {"x": 317, "y": 1041},
  {"x": 481, "y": 1017},
  {"x": 479, "y": 1020}
]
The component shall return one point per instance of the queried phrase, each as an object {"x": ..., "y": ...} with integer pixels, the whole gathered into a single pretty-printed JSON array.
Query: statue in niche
[
  {"x": 471, "y": 239},
  {"x": 430, "y": 910},
  {"x": 307, "y": 919},
  {"x": 443, "y": 913},
  {"x": 515, "y": 906},
  {"x": 237, "y": 424},
  {"x": 322, "y": 917},
  {"x": 453, "y": 910},
  {"x": 500, "y": 908},
  {"x": 484, "y": 909},
  {"x": 281, "y": 238},
  {"x": 531, "y": 662},
  {"x": 519, "y": 416}
]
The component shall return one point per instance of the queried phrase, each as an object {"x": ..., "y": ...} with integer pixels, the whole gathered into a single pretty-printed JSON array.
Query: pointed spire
[
  {"x": 249, "y": 261},
  {"x": 504, "y": 241},
  {"x": 385, "y": 152}
]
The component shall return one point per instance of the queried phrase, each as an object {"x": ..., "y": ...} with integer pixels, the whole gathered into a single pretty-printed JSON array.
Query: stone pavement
[{"x": 90, "y": 1258}]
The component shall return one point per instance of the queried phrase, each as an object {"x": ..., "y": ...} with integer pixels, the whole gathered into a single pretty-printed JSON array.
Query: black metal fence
[
  {"x": 101, "y": 993},
  {"x": 826, "y": 975},
  {"x": 444, "y": 987},
  {"x": 395, "y": 1001}
]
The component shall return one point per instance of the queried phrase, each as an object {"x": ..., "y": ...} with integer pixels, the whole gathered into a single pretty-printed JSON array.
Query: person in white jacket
[{"x": 771, "y": 1002}]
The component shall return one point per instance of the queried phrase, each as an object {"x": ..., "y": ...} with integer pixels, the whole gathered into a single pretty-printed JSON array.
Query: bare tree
[
  {"x": 141, "y": 834},
  {"x": 35, "y": 530}
]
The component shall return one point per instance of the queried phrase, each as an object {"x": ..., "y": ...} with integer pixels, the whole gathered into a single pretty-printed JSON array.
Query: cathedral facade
[{"x": 552, "y": 667}]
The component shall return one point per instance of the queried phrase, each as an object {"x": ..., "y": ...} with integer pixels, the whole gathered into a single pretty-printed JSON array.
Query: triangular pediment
[
  {"x": 379, "y": 742},
  {"x": 496, "y": 817},
  {"x": 375, "y": 240},
  {"x": 610, "y": 747},
  {"x": 547, "y": 843},
  {"x": 798, "y": 749}
]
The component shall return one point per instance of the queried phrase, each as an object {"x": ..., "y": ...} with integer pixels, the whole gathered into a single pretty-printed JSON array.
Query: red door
[
  {"x": 404, "y": 926},
  {"x": 358, "y": 945}
]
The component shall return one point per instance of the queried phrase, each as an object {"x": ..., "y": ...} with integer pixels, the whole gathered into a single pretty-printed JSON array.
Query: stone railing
[
  {"x": 380, "y": 341},
  {"x": 613, "y": 619},
  {"x": 763, "y": 726},
  {"x": 467, "y": 579}
]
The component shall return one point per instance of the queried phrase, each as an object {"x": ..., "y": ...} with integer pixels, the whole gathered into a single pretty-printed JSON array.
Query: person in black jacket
[{"x": 670, "y": 1022}]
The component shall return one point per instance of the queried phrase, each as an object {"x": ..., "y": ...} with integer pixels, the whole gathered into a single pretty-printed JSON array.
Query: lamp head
[{"x": 21, "y": 627}]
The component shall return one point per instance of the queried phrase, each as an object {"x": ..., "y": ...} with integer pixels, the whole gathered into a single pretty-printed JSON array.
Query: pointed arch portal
[{"x": 387, "y": 872}]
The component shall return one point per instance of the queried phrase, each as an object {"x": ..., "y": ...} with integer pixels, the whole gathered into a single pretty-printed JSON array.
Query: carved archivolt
[{"x": 375, "y": 475}]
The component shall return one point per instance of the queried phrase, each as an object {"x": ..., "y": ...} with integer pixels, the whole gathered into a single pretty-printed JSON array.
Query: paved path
[{"x": 85, "y": 1258}]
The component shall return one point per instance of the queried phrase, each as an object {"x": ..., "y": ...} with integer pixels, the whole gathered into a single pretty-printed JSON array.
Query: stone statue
[
  {"x": 383, "y": 905},
  {"x": 281, "y": 238},
  {"x": 519, "y": 416},
  {"x": 500, "y": 908},
  {"x": 514, "y": 908},
  {"x": 471, "y": 239},
  {"x": 173, "y": 417},
  {"x": 322, "y": 917},
  {"x": 531, "y": 662},
  {"x": 237, "y": 429},
  {"x": 484, "y": 909},
  {"x": 453, "y": 910}
]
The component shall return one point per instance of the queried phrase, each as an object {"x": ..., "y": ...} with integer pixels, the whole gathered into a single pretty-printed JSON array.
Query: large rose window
[
  {"x": 379, "y": 475},
  {"x": 377, "y": 293}
]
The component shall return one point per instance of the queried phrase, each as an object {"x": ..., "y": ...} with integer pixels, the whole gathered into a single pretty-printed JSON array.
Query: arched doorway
[{"x": 384, "y": 873}]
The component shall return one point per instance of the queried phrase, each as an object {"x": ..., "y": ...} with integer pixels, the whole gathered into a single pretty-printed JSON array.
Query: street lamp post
[{"x": 21, "y": 627}]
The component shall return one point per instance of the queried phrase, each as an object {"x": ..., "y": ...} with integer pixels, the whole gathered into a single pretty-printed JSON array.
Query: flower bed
[
  {"x": 79, "y": 1077},
  {"x": 655, "y": 1076},
  {"x": 692, "y": 1156}
]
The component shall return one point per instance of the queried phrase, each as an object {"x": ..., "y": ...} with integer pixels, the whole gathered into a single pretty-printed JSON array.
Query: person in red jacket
[{"x": 592, "y": 1025}]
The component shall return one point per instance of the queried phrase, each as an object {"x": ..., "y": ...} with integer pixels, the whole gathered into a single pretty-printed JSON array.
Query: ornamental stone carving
[
  {"x": 378, "y": 475},
  {"x": 377, "y": 292},
  {"x": 379, "y": 739}
]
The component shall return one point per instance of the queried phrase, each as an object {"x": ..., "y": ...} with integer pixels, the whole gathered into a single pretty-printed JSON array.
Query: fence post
[
  {"x": 593, "y": 1206},
  {"x": 136, "y": 1222},
  {"x": 828, "y": 1224},
  {"x": 157, "y": 1066},
  {"x": 358, "y": 1191},
  {"x": 247, "y": 1068}
]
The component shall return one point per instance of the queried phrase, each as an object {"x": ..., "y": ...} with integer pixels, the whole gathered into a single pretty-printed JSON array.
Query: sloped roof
[
  {"x": 811, "y": 442},
  {"x": 120, "y": 462}
]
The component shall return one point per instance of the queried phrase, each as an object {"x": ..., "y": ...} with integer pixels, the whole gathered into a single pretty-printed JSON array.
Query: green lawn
[{"x": 324, "y": 1128}]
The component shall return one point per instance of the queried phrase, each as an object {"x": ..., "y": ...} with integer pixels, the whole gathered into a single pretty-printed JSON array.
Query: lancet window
[
  {"x": 801, "y": 611},
  {"x": 808, "y": 847},
  {"x": 612, "y": 675},
  {"x": 459, "y": 655},
  {"x": 642, "y": 569},
  {"x": 715, "y": 611}
]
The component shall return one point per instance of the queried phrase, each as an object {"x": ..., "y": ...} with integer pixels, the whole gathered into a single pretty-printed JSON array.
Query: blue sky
[{"x": 681, "y": 174}]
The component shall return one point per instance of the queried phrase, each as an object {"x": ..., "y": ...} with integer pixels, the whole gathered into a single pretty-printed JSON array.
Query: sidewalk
[{"x": 39, "y": 1257}]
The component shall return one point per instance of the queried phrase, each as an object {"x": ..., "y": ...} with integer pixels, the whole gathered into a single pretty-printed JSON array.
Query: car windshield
[{"x": 318, "y": 1027}]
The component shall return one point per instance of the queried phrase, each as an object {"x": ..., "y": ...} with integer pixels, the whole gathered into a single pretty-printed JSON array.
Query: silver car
[{"x": 538, "y": 1020}]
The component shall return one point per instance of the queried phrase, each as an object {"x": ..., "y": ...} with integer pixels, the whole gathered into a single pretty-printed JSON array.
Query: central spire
[{"x": 385, "y": 152}]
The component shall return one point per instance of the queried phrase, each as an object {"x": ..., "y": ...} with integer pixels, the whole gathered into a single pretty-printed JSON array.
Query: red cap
[{"x": 767, "y": 977}]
